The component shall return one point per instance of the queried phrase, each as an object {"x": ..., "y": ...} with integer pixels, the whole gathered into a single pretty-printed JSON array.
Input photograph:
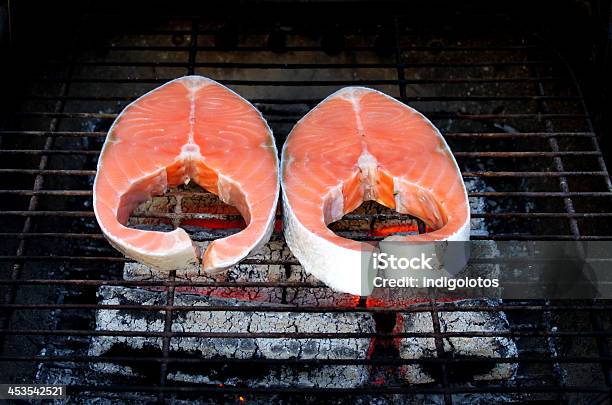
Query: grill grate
[{"x": 507, "y": 103}]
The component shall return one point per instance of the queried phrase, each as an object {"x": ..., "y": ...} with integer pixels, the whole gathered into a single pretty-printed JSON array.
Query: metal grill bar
[
  {"x": 250, "y": 65},
  {"x": 432, "y": 115},
  {"x": 488, "y": 194},
  {"x": 331, "y": 392},
  {"x": 163, "y": 369},
  {"x": 69, "y": 172},
  {"x": 309, "y": 83},
  {"x": 154, "y": 48},
  {"x": 294, "y": 335},
  {"x": 254, "y": 308},
  {"x": 451, "y": 135},
  {"x": 457, "y": 154},
  {"x": 295, "y": 362},
  {"x": 189, "y": 215},
  {"x": 316, "y": 101}
]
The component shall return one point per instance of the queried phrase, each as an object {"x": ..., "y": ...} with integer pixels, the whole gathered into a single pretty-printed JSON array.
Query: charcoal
[
  {"x": 477, "y": 204},
  {"x": 241, "y": 348},
  {"x": 466, "y": 347},
  {"x": 240, "y": 273}
]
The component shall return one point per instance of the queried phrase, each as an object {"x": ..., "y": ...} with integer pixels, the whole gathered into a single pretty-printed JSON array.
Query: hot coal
[
  {"x": 469, "y": 348},
  {"x": 238, "y": 348}
]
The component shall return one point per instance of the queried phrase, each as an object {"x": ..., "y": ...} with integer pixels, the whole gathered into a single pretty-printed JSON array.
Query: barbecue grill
[{"x": 498, "y": 84}]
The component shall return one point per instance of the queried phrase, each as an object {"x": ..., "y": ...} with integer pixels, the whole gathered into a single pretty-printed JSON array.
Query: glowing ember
[{"x": 389, "y": 230}]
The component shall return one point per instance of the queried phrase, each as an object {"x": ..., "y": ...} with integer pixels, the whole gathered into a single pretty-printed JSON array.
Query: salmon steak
[
  {"x": 358, "y": 145},
  {"x": 190, "y": 129}
]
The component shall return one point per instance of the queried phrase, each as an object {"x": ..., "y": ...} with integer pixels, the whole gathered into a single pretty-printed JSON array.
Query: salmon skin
[
  {"x": 191, "y": 128},
  {"x": 357, "y": 145}
]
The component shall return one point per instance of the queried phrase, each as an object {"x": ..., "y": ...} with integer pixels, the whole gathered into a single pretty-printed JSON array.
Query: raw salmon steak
[
  {"x": 357, "y": 145},
  {"x": 190, "y": 129}
]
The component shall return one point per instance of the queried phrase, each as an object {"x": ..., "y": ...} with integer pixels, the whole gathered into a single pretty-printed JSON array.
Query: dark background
[{"x": 581, "y": 30}]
